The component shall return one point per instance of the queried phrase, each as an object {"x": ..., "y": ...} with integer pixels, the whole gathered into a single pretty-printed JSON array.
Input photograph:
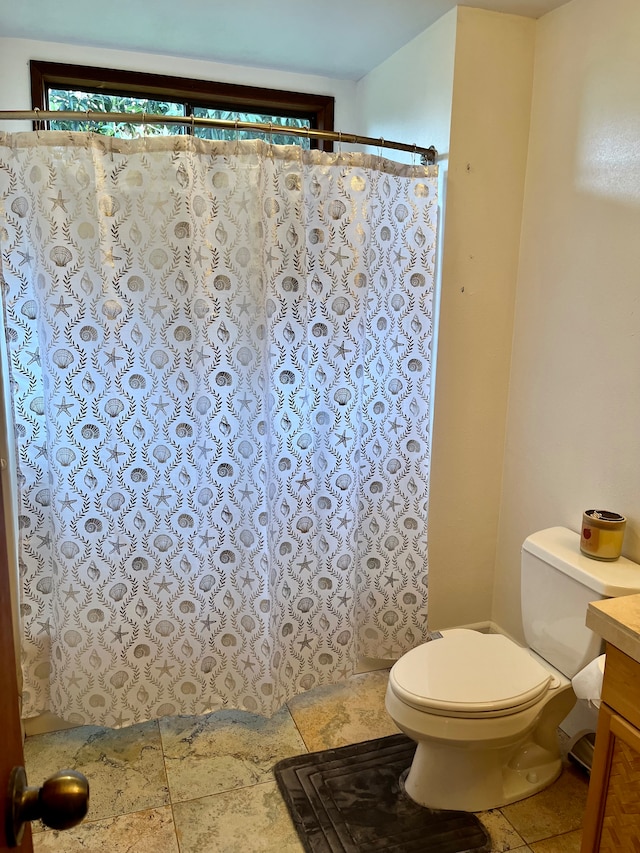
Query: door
[
  {"x": 612, "y": 817},
  {"x": 11, "y": 750}
]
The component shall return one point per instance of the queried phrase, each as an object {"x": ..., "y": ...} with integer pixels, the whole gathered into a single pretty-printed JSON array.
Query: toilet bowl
[
  {"x": 483, "y": 710},
  {"x": 484, "y": 713}
]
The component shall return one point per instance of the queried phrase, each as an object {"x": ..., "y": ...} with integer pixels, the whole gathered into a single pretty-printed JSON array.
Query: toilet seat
[{"x": 469, "y": 674}]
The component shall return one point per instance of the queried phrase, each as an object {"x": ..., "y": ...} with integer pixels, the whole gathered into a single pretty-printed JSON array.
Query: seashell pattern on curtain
[{"x": 220, "y": 370}]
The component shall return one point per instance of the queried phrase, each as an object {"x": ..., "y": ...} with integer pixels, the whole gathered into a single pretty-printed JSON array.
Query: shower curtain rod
[{"x": 428, "y": 155}]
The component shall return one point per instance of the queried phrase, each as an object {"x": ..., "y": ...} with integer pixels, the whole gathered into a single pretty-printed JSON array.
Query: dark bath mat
[{"x": 350, "y": 800}]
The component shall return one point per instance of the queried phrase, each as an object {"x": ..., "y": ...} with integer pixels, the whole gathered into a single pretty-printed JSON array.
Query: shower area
[{"x": 218, "y": 375}]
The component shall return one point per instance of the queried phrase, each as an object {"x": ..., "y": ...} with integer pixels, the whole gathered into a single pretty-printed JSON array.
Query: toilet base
[{"x": 472, "y": 780}]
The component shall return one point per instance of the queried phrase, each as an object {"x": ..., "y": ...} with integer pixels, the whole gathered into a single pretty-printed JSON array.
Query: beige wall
[
  {"x": 409, "y": 97},
  {"x": 573, "y": 436},
  {"x": 485, "y": 185}
]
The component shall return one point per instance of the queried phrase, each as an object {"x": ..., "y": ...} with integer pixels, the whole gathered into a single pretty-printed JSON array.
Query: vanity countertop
[{"x": 617, "y": 620}]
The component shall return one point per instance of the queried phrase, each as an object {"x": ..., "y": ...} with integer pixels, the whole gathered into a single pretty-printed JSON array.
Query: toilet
[{"x": 484, "y": 710}]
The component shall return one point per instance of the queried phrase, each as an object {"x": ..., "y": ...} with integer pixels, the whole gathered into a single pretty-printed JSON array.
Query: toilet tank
[{"x": 558, "y": 582}]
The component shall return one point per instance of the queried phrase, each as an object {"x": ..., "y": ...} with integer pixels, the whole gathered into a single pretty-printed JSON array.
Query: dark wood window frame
[{"x": 317, "y": 109}]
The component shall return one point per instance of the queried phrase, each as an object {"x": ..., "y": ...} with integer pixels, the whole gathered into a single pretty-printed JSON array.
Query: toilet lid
[{"x": 468, "y": 673}]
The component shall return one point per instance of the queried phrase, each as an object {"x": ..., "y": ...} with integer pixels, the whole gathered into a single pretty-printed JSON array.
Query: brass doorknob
[{"x": 62, "y": 802}]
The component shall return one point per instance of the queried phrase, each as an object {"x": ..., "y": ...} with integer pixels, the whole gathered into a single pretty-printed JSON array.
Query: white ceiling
[{"x": 332, "y": 38}]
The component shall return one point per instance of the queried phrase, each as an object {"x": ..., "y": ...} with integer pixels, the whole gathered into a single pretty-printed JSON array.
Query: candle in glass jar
[{"x": 602, "y": 534}]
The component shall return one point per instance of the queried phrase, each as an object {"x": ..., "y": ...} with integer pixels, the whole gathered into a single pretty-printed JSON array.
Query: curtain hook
[
  {"x": 193, "y": 124},
  {"x": 380, "y": 146},
  {"x": 37, "y": 122},
  {"x": 340, "y": 142}
]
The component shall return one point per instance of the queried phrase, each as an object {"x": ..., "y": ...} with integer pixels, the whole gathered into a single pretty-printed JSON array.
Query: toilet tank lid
[{"x": 560, "y": 547}]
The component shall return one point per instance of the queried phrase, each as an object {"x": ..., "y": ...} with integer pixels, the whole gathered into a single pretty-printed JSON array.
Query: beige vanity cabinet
[{"x": 612, "y": 817}]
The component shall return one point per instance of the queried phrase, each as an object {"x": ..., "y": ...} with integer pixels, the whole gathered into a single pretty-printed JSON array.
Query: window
[{"x": 57, "y": 86}]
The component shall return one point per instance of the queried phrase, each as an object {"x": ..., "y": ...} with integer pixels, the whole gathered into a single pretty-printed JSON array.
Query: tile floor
[{"x": 204, "y": 784}]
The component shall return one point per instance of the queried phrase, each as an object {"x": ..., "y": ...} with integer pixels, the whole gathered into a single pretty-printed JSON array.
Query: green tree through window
[
  {"x": 83, "y": 102},
  {"x": 93, "y": 90}
]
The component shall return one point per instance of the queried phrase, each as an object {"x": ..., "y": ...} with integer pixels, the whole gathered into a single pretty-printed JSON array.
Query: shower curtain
[{"x": 220, "y": 369}]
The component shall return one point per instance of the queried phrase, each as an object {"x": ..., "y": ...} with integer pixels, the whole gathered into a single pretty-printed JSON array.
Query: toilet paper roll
[{"x": 587, "y": 684}]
